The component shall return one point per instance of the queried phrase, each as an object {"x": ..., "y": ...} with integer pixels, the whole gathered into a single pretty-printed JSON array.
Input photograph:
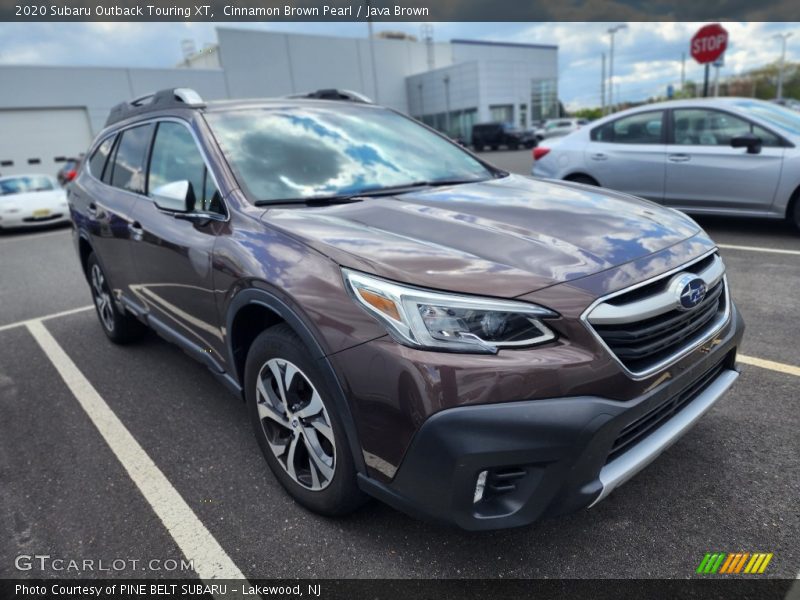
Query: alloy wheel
[
  {"x": 296, "y": 424},
  {"x": 102, "y": 298}
]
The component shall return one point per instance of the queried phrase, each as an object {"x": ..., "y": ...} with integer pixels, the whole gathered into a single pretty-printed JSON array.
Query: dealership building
[{"x": 49, "y": 113}]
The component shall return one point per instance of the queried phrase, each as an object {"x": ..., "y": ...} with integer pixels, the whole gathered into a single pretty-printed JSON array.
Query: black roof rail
[
  {"x": 334, "y": 94},
  {"x": 169, "y": 98}
]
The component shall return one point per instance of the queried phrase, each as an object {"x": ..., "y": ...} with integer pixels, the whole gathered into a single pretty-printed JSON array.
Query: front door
[
  {"x": 705, "y": 173},
  {"x": 173, "y": 253}
]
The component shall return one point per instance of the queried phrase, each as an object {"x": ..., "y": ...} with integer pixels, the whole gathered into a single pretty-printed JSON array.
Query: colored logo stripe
[
  {"x": 733, "y": 563},
  {"x": 711, "y": 562}
]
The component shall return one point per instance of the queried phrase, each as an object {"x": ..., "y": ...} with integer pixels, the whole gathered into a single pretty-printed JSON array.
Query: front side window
[
  {"x": 284, "y": 153},
  {"x": 176, "y": 157},
  {"x": 98, "y": 161},
  {"x": 783, "y": 118},
  {"x": 128, "y": 173},
  {"x": 640, "y": 128},
  {"x": 703, "y": 127}
]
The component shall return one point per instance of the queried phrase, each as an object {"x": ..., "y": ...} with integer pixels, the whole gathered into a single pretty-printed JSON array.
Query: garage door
[{"x": 38, "y": 140}]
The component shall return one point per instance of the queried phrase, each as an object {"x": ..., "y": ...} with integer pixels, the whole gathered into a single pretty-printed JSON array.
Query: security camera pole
[
  {"x": 783, "y": 37},
  {"x": 611, "y": 32}
]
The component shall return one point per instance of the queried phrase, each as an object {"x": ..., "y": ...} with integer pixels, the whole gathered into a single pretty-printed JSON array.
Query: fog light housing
[{"x": 480, "y": 486}]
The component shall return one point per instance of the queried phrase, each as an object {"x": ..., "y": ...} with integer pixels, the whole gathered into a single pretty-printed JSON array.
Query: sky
[{"x": 647, "y": 55}]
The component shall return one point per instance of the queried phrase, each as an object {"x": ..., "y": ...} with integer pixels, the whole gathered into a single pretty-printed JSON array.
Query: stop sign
[{"x": 709, "y": 43}]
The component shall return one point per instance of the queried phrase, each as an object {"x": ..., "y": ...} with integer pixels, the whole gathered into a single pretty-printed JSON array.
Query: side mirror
[
  {"x": 175, "y": 196},
  {"x": 747, "y": 140}
]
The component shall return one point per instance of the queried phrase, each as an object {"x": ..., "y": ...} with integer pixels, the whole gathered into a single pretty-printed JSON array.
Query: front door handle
[
  {"x": 679, "y": 157},
  {"x": 599, "y": 156},
  {"x": 136, "y": 230}
]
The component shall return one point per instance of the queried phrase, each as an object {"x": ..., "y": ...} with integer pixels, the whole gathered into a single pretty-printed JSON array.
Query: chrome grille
[{"x": 645, "y": 328}]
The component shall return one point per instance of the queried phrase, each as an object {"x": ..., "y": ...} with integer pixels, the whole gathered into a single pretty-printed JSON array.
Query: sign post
[{"x": 708, "y": 44}]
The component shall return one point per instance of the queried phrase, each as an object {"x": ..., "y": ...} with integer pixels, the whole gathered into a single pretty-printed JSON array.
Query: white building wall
[
  {"x": 96, "y": 89},
  {"x": 431, "y": 97},
  {"x": 265, "y": 63},
  {"x": 31, "y": 96}
]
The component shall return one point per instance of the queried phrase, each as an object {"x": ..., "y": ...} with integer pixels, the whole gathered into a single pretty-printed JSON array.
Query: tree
[{"x": 588, "y": 113}]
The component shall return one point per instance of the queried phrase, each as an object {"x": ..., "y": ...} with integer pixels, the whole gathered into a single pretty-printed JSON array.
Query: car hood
[
  {"x": 502, "y": 237},
  {"x": 33, "y": 200}
]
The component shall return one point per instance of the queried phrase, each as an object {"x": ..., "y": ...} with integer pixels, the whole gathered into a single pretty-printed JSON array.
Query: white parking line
[
  {"x": 759, "y": 249},
  {"x": 195, "y": 541},
  {"x": 63, "y": 313},
  {"x": 769, "y": 364}
]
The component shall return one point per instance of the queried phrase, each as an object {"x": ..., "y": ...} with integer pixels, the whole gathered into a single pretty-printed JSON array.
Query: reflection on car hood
[{"x": 503, "y": 237}]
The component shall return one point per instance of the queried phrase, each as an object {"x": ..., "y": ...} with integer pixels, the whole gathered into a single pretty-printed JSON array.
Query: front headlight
[{"x": 442, "y": 321}]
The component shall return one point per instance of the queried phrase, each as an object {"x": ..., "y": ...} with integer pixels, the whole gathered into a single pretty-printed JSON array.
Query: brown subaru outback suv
[{"x": 404, "y": 320}]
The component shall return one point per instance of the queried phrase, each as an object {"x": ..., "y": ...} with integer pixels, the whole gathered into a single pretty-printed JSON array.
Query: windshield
[
  {"x": 25, "y": 184},
  {"x": 781, "y": 117},
  {"x": 299, "y": 153}
]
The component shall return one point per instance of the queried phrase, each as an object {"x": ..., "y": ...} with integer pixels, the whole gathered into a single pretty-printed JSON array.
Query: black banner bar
[
  {"x": 395, "y": 10},
  {"x": 713, "y": 587}
]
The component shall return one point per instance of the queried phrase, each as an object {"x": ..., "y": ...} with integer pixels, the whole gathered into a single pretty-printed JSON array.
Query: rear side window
[
  {"x": 641, "y": 128},
  {"x": 98, "y": 161},
  {"x": 129, "y": 160}
]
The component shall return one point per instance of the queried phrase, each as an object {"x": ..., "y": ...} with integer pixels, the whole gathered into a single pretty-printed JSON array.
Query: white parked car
[
  {"x": 724, "y": 156},
  {"x": 30, "y": 200},
  {"x": 554, "y": 128}
]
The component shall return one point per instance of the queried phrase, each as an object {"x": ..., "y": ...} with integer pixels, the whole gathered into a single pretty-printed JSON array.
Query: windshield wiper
[{"x": 369, "y": 192}]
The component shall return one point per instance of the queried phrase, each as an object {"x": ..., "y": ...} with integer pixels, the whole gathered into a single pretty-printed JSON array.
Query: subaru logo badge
[{"x": 689, "y": 290}]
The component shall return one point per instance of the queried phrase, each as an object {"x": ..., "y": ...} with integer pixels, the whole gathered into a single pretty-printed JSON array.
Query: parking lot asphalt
[{"x": 731, "y": 484}]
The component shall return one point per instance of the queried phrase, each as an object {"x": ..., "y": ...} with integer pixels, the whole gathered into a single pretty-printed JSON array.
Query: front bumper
[
  {"x": 548, "y": 457},
  {"x": 15, "y": 220}
]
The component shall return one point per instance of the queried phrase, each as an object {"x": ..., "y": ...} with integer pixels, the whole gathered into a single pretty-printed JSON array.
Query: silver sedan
[{"x": 724, "y": 156}]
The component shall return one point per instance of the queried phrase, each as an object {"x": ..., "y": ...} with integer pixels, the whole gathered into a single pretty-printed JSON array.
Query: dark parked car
[
  {"x": 404, "y": 320},
  {"x": 68, "y": 171},
  {"x": 494, "y": 135}
]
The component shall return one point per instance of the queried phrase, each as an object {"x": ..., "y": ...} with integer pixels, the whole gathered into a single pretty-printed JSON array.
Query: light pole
[
  {"x": 783, "y": 37},
  {"x": 447, "y": 102},
  {"x": 603, "y": 83},
  {"x": 611, "y": 32}
]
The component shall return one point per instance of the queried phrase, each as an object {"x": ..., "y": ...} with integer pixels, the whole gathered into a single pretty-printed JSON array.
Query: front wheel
[{"x": 296, "y": 424}]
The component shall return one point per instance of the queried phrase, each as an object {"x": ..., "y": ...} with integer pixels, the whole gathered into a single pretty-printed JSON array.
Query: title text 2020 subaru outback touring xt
[{"x": 404, "y": 320}]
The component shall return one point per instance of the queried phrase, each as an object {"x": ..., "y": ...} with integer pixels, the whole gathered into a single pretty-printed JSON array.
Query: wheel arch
[
  {"x": 577, "y": 175},
  {"x": 251, "y": 312},
  {"x": 793, "y": 200},
  {"x": 85, "y": 249}
]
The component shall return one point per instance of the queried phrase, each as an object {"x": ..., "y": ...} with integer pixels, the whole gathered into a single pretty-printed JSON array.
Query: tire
[
  {"x": 299, "y": 432},
  {"x": 478, "y": 148},
  {"x": 495, "y": 147},
  {"x": 584, "y": 179},
  {"x": 119, "y": 326},
  {"x": 513, "y": 147},
  {"x": 794, "y": 215}
]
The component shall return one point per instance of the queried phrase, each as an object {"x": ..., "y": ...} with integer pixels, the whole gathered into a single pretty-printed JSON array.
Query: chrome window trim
[
  {"x": 156, "y": 120},
  {"x": 716, "y": 326}
]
